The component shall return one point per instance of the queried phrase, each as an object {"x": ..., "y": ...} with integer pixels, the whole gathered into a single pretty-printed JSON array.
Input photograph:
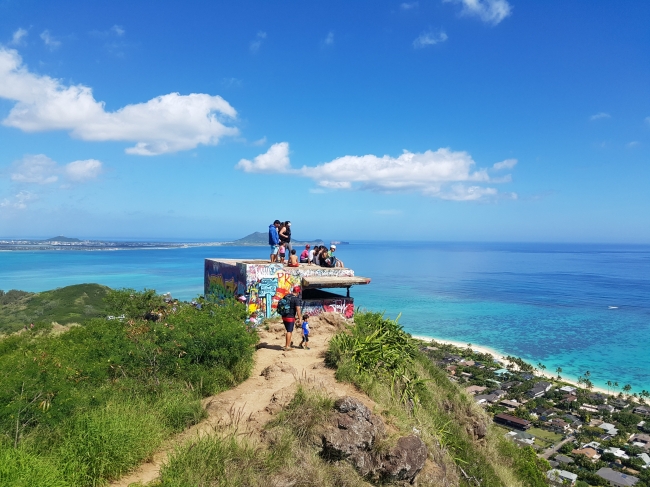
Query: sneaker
[{"x": 307, "y": 348}]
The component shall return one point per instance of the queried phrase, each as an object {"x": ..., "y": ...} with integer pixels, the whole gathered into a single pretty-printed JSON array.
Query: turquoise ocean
[{"x": 578, "y": 307}]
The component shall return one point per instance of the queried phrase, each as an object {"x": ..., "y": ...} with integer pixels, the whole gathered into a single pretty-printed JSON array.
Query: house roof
[
  {"x": 588, "y": 452},
  {"x": 564, "y": 459},
  {"x": 616, "y": 477},
  {"x": 556, "y": 474}
]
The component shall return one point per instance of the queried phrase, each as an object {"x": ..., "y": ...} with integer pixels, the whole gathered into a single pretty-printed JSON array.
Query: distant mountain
[
  {"x": 262, "y": 238},
  {"x": 61, "y": 238}
]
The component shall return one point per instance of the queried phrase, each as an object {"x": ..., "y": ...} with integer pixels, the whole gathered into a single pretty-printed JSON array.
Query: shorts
[
  {"x": 288, "y": 324},
  {"x": 275, "y": 249},
  {"x": 305, "y": 338},
  {"x": 282, "y": 254}
]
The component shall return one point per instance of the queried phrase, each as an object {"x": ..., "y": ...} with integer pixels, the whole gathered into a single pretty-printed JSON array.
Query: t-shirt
[
  {"x": 311, "y": 255},
  {"x": 305, "y": 328},
  {"x": 304, "y": 254},
  {"x": 294, "y": 302}
]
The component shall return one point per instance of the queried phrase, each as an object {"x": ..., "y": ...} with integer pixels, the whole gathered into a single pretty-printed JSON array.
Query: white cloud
[
  {"x": 167, "y": 123},
  {"x": 118, "y": 30},
  {"x": 429, "y": 39},
  {"x": 18, "y": 201},
  {"x": 489, "y": 11},
  {"x": 49, "y": 40},
  {"x": 40, "y": 169},
  {"x": 18, "y": 38},
  {"x": 633, "y": 144},
  {"x": 507, "y": 164},
  {"x": 81, "y": 171},
  {"x": 443, "y": 173},
  {"x": 599, "y": 116},
  {"x": 261, "y": 141},
  {"x": 647, "y": 120},
  {"x": 409, "y": 5},
  {"x": 276, "y": 159},
  {"x": 257, "y": 42},
  {"x": 329, "y": 40}
]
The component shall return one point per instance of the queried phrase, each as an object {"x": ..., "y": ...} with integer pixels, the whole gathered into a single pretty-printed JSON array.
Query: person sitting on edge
[
  {"x": 289, "y": 317},
  {"x": 274, "y": 240},
  {"x": 281, "y": 252},
  {"x": 310, "y": 256},
  {"x": 305, "y": 332},
  {"x": 304, "y": 255},
  {"x": 293, "y": 259},
  {"x": 327, "y": 258},
  {"x": 316, "y": 259}
]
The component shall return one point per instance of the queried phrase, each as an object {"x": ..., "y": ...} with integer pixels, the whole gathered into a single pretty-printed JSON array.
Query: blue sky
[{"x": 474, "y": 120}]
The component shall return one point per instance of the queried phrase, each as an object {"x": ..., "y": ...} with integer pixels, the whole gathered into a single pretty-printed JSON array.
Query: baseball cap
[
  {"x": 296, "y": 289},
  {"x": 333, "y": 247},
  {"x": 307, "y": 246}
]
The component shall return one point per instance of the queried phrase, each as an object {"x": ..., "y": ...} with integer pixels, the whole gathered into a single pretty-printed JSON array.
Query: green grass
[
  {"x": 92, "y": 403},
  {"x": 422, "y": 397},
  {"x": 549, "y": 436},
  {"x": 71, "y": 304}
]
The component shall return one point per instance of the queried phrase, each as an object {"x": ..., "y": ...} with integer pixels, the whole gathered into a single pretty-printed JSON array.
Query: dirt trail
[{"x": 270, "y": 386}]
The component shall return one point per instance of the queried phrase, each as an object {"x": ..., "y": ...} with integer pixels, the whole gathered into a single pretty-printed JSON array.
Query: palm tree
[
  {"x": 627, "y": 388},
  {"x": 559, "y": 371}
]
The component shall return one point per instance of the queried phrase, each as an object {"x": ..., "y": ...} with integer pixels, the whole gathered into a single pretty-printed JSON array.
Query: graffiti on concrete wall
[
  {"x": 343, "y": 306},
  {"x": 223, "y": 281},
  {"x": 264, "y": 284}
]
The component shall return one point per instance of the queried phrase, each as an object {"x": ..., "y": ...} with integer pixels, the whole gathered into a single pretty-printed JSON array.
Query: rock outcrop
[{"x": 353, "y": 432}]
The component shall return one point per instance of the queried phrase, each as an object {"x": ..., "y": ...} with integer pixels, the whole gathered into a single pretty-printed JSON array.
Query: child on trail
[
  {"x": 293, "y": 259},
  {"x": 282, "y": 251},
  {"x": 305, "y": 332}
]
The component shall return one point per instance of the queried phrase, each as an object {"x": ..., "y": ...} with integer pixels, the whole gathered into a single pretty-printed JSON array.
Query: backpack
[{"x": 284, "y": 306}]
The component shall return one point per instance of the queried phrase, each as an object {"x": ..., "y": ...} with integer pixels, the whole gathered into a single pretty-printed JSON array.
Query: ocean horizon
[{"x": 581, "y": 307}]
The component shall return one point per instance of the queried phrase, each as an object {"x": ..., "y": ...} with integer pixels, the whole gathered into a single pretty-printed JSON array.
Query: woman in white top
[{"x": 316, "y": 256}]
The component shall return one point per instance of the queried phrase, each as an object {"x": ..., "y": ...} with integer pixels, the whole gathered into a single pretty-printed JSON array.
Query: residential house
[
  {"x": 642, "y": 410},
  {"x": 485, "y": 399},
  {"x": 467, "y": 363},
  {"x": 645, "y": 458},
  {"x": 558, "y": 425},
  {"x": 501, "y": 372},
  {"x": 499, "y": 393},
  {"x": 564, "y": 459},
  {"x": 589, "y": 452},
  {"x": 590, "y": 408},
  {"x": 606, "y": 407},
  {"x": 568, "y": 389},
  {"x": 574, "y": 421},
  {"x": 510, "y": 384},
  {"x": 609, "y": 428},
  {"x": 539, "y": 389},
  {"x": 570, "y": 398},
  {"x": 617, "y": 452},
  {"x": 598, "y": 397},
  {"x": 521, "y": 437},
  {"x": 561, "y": 477},
  {"x": 512, "y": 421},
  {"x": 593, "y": 444},
  {"x": 509, "y": 403},
  {"x": 466, "y": 375},
  {"x": 616, "y": 479},
  {"x": 618, "y": 403},
  {"x": 451, "y": 369},
  {"x": 474, "y": 389},
  {"x": 641, "y": 440},
  {"x": 527, "y": 376}
]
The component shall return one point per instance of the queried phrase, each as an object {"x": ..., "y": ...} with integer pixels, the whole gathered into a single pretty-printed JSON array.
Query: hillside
[
  {"x": 262, "y": 239},
  {"x": 70, "y": 304}
]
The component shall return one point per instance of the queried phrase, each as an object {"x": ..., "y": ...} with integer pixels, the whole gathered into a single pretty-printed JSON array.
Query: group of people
[
  {"x": 283, "y": 252},
  {"x": 320, "y": 255}
]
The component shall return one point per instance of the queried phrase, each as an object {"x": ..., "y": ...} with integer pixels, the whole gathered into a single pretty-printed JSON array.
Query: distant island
[{"x": 60, "y": 242}]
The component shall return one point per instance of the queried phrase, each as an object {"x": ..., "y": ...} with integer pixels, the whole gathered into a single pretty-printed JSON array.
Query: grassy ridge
[
  {"x": 87, "y": 405},
  {"x": 71, "y": 304},
  {"x": 412, "y": 394}
]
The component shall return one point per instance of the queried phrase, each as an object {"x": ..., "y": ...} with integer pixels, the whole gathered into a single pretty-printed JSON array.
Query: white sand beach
[{"x": 501, "y": 358}]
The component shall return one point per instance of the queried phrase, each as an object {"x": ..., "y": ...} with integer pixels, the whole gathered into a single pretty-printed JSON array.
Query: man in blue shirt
[{"x": 274, "y": 240}]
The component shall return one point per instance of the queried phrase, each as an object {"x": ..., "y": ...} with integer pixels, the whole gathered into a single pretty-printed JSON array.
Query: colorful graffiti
[{"x": 264, "y": 284}]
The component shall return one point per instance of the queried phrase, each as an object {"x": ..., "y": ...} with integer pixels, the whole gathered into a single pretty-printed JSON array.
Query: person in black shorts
[{"x": 290, "y": 319}]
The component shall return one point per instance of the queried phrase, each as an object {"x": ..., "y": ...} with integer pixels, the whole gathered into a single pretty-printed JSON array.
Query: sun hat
[{"x": 333, "y": 247}]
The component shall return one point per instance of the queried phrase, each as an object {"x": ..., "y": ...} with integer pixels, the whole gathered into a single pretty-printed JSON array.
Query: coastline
[{"x": 501, "y": 358}]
